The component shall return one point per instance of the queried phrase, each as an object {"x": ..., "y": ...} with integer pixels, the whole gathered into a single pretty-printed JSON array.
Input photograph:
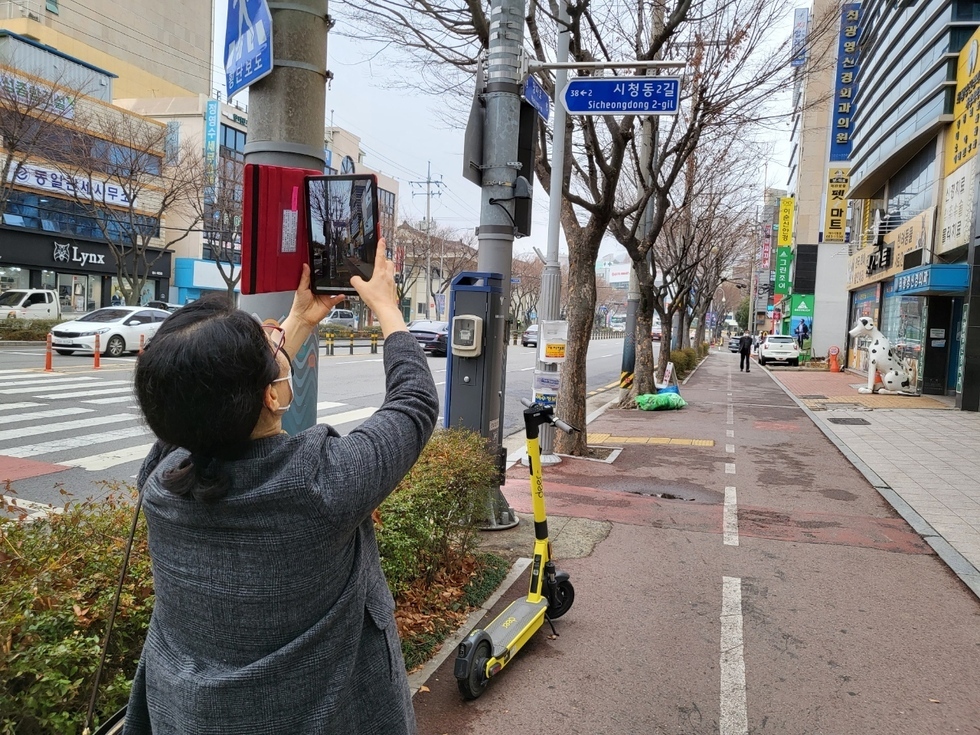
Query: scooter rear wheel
[
  {"x": 476, "y": 680},
  {"x": 564, "y": 597}
]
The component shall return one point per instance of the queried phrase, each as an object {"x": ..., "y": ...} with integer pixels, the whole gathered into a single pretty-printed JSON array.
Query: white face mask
[{"x": 289, "y": 380}]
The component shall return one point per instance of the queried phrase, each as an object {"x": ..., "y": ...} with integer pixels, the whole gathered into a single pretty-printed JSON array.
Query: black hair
[{"x": 200, "y": 384}]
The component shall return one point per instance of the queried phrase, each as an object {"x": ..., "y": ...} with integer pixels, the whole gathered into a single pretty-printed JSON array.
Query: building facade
[
  {"x": 153, "y": 48},
  {"x": 52, "y": 231},
  {"x": 911, "y": 130}
]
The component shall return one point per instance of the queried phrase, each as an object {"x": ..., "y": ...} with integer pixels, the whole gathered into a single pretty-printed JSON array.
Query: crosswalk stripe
[
  {"x": 74, "y": 442},
  {"x": 15, "y": 406},
  {"x": 324, "y": 405},
  {"x": 83, "y": 393},
  {"x": 17, "y": 391},
  {"x": 114, "y": 399},
  {"x": 109, "y": 459},
  {"x": 63, "y": 426},
  {"x": 46, "y": 414},
  {"x": 21, "y": 371},
  {"x": 44, "y": 381},
  {"x": 347, "y": 416}
]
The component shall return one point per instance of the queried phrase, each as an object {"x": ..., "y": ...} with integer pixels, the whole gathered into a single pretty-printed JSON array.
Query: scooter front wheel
[
  {"x": 475, "y": 682},
  {"x": 563, "y": 599}
]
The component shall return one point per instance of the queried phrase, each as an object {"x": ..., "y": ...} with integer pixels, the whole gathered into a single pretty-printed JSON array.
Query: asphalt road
[{"x": 78, "y": 430}]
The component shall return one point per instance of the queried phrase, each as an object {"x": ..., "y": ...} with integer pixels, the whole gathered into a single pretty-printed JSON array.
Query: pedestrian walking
[
  {"x": 745, "y": 351},
  {"x": 271, "y": 611}
]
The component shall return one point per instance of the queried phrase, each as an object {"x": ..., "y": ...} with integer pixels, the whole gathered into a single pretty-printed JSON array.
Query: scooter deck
[{"x": 509, "y": 625}]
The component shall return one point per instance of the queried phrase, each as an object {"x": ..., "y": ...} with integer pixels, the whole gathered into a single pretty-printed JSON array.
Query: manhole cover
[
  {"x": 850, "y": 422},
  {"x": 814, "y": 398}
]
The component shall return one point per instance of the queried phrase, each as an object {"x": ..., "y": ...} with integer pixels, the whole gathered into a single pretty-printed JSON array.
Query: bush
[
  {"x": 429, "y": 523},
  {"x": 58, "y": 578},
  {"x": 57, "y": 581},
  {"x": 680, "y": 360},
  {"x": 692, "y": 357},
  {"x": 26, "y": 330}
]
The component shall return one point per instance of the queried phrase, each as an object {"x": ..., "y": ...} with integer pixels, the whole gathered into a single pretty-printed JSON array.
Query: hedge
[
  {"x": 26, "y": 330},
  {"x": 58, "y": 577}
]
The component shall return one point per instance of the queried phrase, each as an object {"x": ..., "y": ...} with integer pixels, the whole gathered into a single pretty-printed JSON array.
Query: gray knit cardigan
[{"x": 272, "y": 614}]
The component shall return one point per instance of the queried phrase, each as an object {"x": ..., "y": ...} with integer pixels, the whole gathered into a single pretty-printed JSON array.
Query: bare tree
[
  {"x": 444, "y": 251},
  {"x": 128, "y": 175},
  {"x": 525, "y": 289},
  {"x": 222, "y": 221},
  {"x": 733, "y": 67},
  {"x": 33, "y": 112}
]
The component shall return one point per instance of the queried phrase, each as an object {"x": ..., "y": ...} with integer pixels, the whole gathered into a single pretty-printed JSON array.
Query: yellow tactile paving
[
  {"x": 877, "y": 401},
  {"x": 609, "y": 439}
]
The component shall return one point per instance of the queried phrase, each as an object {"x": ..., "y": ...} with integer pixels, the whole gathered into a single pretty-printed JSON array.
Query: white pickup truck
[{"x": 29, "y": 303}]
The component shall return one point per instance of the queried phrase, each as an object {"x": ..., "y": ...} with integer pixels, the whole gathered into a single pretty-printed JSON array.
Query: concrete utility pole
[
  {"x": 286, "y": 128},
  {"x": 428, "y": 232},
  {"x": 500, "y": 171},
  {"x": 549, "y": 304}
]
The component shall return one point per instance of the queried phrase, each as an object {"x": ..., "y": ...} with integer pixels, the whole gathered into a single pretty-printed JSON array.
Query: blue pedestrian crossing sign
[
  {"x": 248, "y": 44},
  {"x": 622, "y": 96}
]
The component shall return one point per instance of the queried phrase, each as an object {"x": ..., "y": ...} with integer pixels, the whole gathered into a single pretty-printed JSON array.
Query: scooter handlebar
[{"x": 567, "y": 428}]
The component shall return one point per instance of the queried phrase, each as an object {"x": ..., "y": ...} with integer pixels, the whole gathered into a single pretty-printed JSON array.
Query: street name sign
[
  {"x": 622, "y": 96},
  {"x": 248, "y": 44},
  {"x": 538, "y": 99}
]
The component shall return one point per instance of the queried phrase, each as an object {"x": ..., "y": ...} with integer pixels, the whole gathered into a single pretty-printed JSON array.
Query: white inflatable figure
[{"x": 882, "y": 360}]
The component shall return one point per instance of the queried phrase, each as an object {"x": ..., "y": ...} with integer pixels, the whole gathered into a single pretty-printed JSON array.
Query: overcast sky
[{"x": 401, "y": 135}]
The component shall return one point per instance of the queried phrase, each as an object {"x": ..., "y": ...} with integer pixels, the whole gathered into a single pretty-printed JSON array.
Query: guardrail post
[
  {"x": 97, "y": 356},
  {"x": 142, "y": 342},
  {"x": 352, "y": 343},
  {"x": 374, "y": 344},
  {"x": 47, "y": 356}
]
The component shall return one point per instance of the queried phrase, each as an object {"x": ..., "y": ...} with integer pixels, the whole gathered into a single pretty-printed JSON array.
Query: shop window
[{"x": 14, "y": 278}]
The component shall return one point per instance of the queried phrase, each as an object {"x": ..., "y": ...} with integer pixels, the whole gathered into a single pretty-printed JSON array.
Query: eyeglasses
[{"x": 277, "y": 337}]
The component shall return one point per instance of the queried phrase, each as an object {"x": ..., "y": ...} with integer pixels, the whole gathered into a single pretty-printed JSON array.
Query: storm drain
[
  {"x": 814, "y": 398},
  {"x": 850, "y": 422}
]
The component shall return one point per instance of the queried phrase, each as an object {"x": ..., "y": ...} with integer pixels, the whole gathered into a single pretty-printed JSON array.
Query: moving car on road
[
  {"x": 530, "y": 336},
  {"x": 779, "y": 348},
  {"x": 433, "y": 336},
  {"x": 119, "y": 329}
]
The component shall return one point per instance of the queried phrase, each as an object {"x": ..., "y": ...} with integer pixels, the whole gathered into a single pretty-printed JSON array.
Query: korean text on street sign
[
  {"x": 538, "y": 99},
  {"x": 623, "y": 95},
  {"x": 248, "y": 44}
]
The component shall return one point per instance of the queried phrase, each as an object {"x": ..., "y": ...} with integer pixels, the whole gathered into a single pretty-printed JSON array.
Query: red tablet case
[{"x": 274, "y": 242}]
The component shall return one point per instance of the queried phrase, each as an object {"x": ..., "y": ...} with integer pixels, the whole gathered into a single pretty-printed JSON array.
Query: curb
[
  {"x": 958, "y": 564},
  {"x": 448, "y": 647}
]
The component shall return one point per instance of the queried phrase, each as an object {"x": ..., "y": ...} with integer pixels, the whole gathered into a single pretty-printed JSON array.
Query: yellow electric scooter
[{"x": 486, "y": 651}]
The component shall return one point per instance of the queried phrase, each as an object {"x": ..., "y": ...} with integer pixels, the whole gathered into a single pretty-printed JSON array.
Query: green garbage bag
[{"x": 660, "y": 401}]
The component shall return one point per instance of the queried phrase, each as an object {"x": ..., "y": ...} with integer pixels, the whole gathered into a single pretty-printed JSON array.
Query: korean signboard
[
  {"x": 210, "y": 151},
  {"x": 21, "y": 93},
  {"x": 554, "y": 338},
  {"x": 766, "y": 258},
  {"x": 784, "y": 258},
  {"x": 961, "y": 140},
  {"x": 46, "y": 179},
  {"x": 835, "y": 221},
  {"x": 881, "y": 262},
  {"x": 957, "y": 213},
  {"x": 785, "y": 222},
  {"x": 801, "y": 18},
  {"x": 845, "y": 83}
]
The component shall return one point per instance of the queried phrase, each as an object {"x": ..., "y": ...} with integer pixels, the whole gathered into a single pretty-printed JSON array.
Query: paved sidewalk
[{"x": 920, "y": 453}]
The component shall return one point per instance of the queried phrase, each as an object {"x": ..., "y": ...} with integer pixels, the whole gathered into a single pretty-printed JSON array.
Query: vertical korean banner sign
[
  {"x": 785, "y": 236},
  {"x": 845, "y": 84},
  {"x": 211, "y": 152}
]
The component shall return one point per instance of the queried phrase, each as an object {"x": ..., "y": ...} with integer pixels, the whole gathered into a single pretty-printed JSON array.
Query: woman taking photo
[{"x": 272, "y": 614}]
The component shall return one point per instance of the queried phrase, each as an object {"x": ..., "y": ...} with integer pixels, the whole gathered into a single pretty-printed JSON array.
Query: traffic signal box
[{"x": 274, "y": 238}]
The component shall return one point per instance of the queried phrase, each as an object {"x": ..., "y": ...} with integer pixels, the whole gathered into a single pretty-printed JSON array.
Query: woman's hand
[
  {"x": 379, "y": 292},
  {"x": 308, "y": 308}
]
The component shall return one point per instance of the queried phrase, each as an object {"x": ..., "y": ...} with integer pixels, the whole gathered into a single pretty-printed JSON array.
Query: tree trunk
[
  {"x": 581, "y": 307},
  {"x": 644, "y": 378}
]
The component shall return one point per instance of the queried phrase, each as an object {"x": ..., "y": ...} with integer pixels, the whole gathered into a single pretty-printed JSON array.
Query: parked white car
[
  {"x": 779, "y": 348},
  {"x": 30, "y": 303},
  {"x": 119, "y": 329}
]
